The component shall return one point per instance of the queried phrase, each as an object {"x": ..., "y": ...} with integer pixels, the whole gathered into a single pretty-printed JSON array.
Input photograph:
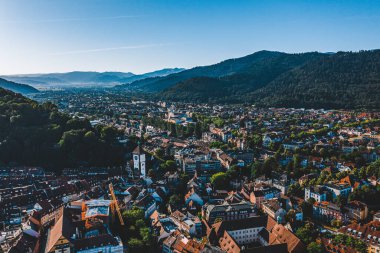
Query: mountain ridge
[
  {"x": 85, "y": 78},
  {"x": 342, "y": 80},
  {"x": 17, "y": 87}
]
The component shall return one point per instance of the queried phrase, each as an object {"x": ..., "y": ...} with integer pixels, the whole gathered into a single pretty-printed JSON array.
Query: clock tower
[{"x": 139, "y": 161}]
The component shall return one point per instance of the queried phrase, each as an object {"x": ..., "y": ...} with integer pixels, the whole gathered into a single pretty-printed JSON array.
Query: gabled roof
[{"x": 138, "y": 150}]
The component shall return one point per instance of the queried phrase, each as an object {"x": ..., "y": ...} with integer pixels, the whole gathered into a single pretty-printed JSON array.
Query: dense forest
[
  {"x": 225, "y": 68},
  {"x": 312, "y": 80},
  {"x": 17, "y": 87},
  {"x": 38, "y": 134}
]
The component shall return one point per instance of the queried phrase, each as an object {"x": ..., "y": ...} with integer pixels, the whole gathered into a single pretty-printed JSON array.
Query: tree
[
  {"x": 341, "y": 200},
  {"x": 307, "y": 233},
  {"x": 219, "y": 180},
  {"x": 290, "y": 216},
  {"x": 198, "y": 130},
  {"x": 295, "y": 190},
  {"x": 169, "y": 165},
  {"x": 133, "y": 215},
  {"x": 269, "y": 165},
  {"x": 314, "y": 247},
  {"x": 175, "y": 200},
  {"x": 256, "y": 169},
  {"x": 136, "y": 245},
  {"x": 160, "y": 153}
]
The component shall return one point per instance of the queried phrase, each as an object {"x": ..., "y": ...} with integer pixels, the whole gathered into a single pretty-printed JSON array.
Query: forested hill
[
  {"x": 37, "y": 134},
  {"x": 343, "y": 80},
  {"x": 17, "y": 87},
  {"x": 312, "y": 80},
  {"x": 224, "y": 68}
]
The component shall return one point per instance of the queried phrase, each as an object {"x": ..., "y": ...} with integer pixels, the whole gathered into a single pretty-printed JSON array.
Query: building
[
  {"x": 220, "y": 212},
  {"x": 188, "y": 223},
  {"x": 327, "y": 211},
  {"x": 139, "y": 161},
  {"x": 368, "y": 233},
  {"x": 191, "y": 165},
  {"x": 339, "y": 189},
  {"x": 317, "y": 192},
  {"x": 178, "y": 242},
  {"x": 254, "y": 234},
  {"x": 356, "y": 210},
  {"x": 47, "y": 211},
  {"x": 259, "y": 196},
  {"x": 274, "y": 209},
  {"x": 147, "y": 204}
]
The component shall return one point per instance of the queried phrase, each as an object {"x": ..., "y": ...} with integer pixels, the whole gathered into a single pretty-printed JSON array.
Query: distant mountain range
[
  {"x": 84, "y": 79},
  {"x": 265, "y": 78},
  {"x": 16, "y": 87},
  {"x": 269, "y": 79}
]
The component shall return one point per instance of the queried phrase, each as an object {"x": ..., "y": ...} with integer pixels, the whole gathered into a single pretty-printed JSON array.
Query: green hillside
[{"x": 38, "y": 134}]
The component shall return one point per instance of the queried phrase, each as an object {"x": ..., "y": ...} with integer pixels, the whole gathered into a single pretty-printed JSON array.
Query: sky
[{"x": 44, "y": 36}]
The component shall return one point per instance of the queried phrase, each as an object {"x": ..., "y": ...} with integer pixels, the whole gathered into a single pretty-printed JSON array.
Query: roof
[
  {"x": 226, "y": 205},
  {"x": 371, "y": 229},
  {"x": 138, "y": 150},
  {"x": 94, "y": 242},
  {"x": 145, "y": 202},
  {"x": 252, "y": 222},
  {"x": 279, "y": 234}
]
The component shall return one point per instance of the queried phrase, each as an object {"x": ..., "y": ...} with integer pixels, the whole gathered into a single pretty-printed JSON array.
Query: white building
[{"x": 139, "y": 161}]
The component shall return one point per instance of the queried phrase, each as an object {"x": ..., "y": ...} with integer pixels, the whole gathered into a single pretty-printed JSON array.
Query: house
[
  {"x": 274, "y": 209},
  {"x": 188, "y": 223},
  {"x": 147, "y": 204},
  {"x": 178, "y": 242},
  {"x": 59, "y": 237},
  {"x": 356, "y": 210},
  {"x": 351, "y": 180},
  {"x": 257, "y": 197},
  {"x": 293, "y": 146},
  {"x": 316, "y": 192},
  {"x": 162, "y": 226},
  {"x": 331, "y": 247},
  {"x": 47, "y": 211},
  {"x": 101, "y": 243},
  {"x": 254, "y": 234},
  {"x": 327, "y": 211},
  {"x": 225, "y": 211},
  {"x": 193, "y": 200},
  {"x": 368, "y": 233},
  {"x": 338, "y": 189}
]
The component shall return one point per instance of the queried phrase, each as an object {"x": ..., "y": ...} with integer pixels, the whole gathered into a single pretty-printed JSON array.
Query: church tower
[{"x": 139, "y": 161}]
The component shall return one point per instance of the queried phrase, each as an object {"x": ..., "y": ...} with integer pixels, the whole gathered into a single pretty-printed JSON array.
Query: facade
[
  {"x": 356, "y": 210},
  {"x": 340, "y": 189},
  {"x": 226, "y": 211},
  {"x": 368, "y": 233},
  {"x": 327, "y": 211},
  {"x": 273, "y": 209},
  {"x": 190, "y": 166},
  {"x": 47, "y": 211},
  {"x": 259, "y": 196},
  {"x": 147, "y": 204},
  {"x": 317, "y": 192},
  {"x": 255, "y": 234},
  {"x": 139, "y": 161}
]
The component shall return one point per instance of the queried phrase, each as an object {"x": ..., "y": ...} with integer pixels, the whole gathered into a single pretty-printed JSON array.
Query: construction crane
[{"x": 116, "y": 204}]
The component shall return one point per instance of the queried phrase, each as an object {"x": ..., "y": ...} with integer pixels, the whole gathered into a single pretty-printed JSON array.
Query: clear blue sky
[{"x": 39, "y": 36}]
